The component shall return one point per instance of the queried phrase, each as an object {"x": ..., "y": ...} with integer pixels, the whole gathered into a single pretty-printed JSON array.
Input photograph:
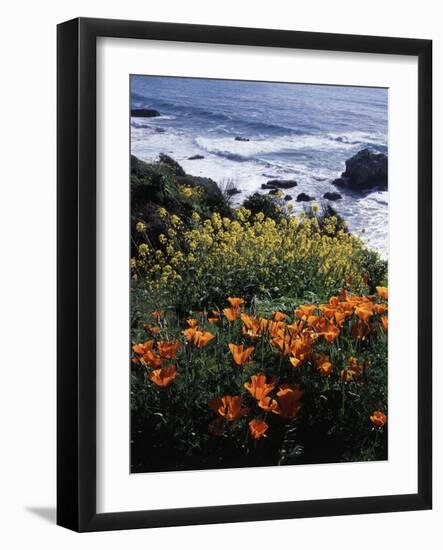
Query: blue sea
[{"x": 295, "y": 131}]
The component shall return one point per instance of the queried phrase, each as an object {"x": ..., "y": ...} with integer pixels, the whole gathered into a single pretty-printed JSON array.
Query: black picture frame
[{"x": 76, "y": 295}]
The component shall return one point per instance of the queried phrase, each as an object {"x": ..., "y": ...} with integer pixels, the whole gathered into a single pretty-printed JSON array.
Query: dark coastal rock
[
  {"x": 332, "y": 196},
  {"x": 303, "y": 197},
  {"x": 281, "y": 184},
  {"x": 213, "y": 194},
  {"x": 365, "y": 170},
  {"x": 287, "y": 197},
  {"x": 240, "y": 138},
  {"x": 232, "y": 191},
  {"x": 196, "y": 157},
  {"x": 273, "y": 191},
  {"x": 173, "y": 164},
  {"x": 145, "y": 113},
  {"x": 267, "y": 186}
]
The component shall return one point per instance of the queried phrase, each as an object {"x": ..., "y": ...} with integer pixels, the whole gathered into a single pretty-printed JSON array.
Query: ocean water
[{"x": 295, "y": 131}]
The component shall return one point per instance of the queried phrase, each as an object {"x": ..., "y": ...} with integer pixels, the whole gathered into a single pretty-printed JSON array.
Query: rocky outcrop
[
  {"x": 303, "y": 197},
  {"x": 332, "y": 196},
  {"x": 279, "y": 184},
  {"x": 365, "y": 170},
  {"x": 173, "y": 164},
  {"x": 145, "y": 113},
  {"x": 240, "y": 138},
  {"x": 196, "y": 157}
]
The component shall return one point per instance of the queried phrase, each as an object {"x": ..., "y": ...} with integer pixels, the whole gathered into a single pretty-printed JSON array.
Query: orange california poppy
[
  {"x": 295, "y": 362},
  {"x": 163, "y": 377},
  {"x": 189, "y": 333},
  {"x": 378, "y": 419},
  {"x": 258, "y": 428},
  {"x": 192, "y": 323},
  {"x": 231, "y": 313},
  {"x": 380, "y": 308},
  {"x": 346, "y": 375},
  {"x": 278, "y": 316},
  {"x": 384, "y": 323},
  {"x": 269, "y": 405},
  {"x": 364, "y": 312},
  {"x": 168, "y": 350},
  {"x": 252, "y": 327},
  {"x": 157, "y": 314},
  {"x": 382, "y": 291},
  {"x": 305, "y": 310},
  {"x": 258, "y": 387},
  {"x": 340, "y": 317},
  {"x": 327, "y": 310},
  {"x": 229, "y": 407},
  {"x": 330, "y": 333},
  {"x": 236, "y": 302},
  {"x": 152, "y": 359},
  {"x": 240, "y": 354},
  {"x": 326, "y": 368},
  {"x": 289, "y": 397},
  {"x": 202, "y": 339},
  {"x": 140, "y": 349},
  {"x": 324, "y": 365},
  {"x": 153, "y": 329}
]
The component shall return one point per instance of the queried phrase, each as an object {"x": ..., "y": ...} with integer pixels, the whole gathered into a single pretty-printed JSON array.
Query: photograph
[{"x": 259, "y": 257}]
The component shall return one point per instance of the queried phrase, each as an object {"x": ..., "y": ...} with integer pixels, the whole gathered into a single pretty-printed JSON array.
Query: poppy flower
[
  {"x": 384, "y": 323},
  {"x": 326, "y": 368},
  {"x": 168, "y": 350},
  {"x": 240, "y": 354},
  {"x": 324, "y": 365},
  {"x": 382, "y": 291},
  {"x": 231, "y": 313},
  {"x": 258, "y": 428},
  {"x": 380, "y": 308},
  {"x": 269, "y": 405},
  {"x": 252, "y": 327},
  {"x": 378, "y": 419},
  {"x": 340, "y": 317},
  {"x": 289, "y": 397},
  {"x": 294, "y": 361},
  {"x": 229, "y": 407},
  {"x": 236, "y": 302},
  {"x": 364, "y": 313},
  {"x": 278, "y": 316},
  {"x": 151, "y": 359},
  {"x": 305, "y": 310},
  {"x": 202, "y": 339},
  {"x": 189, "y": 333},
  {"x": 143, "y": 348},
  {"x": 157, "y": 314},
  {"x": 258, "y": 387},
  {"x": 163, "y": 377},
  {"x": 192, "y": 323},
  {"x": 330, "y": 333},
  {"x": 346, "y": 375},
  {"x": 153, "y": 329}
]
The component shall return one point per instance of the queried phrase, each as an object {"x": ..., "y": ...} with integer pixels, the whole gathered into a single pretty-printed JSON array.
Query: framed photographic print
[{"x": 240, "y": 212}]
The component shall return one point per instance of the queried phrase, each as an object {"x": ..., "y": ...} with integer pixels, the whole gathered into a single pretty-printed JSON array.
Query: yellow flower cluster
[{"x": 248, "y": 243}]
